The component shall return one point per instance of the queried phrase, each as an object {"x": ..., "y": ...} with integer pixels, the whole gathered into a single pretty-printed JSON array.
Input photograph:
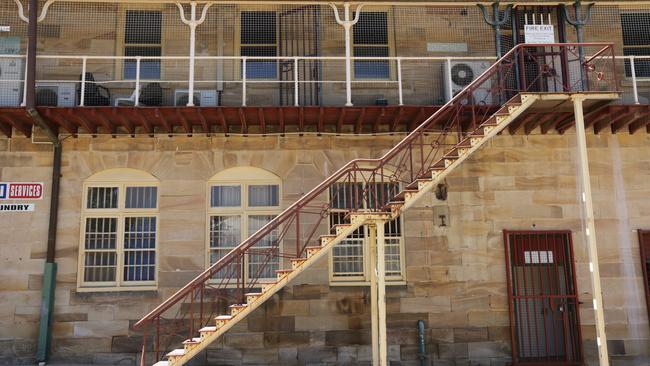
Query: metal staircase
[{"x": 227, "y": 292}]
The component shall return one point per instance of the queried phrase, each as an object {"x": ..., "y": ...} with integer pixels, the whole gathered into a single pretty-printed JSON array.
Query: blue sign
[{"x": 3, "y": 191}]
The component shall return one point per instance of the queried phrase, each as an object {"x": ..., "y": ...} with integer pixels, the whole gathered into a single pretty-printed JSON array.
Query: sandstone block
[{"x": 434, "y": 304}]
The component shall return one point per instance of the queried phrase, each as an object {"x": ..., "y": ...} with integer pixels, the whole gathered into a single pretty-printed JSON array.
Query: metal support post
[
  {"x": 496, "y": 22},
  {"x": 635, "y": 90},
  {"x": 399, "y": 81},
  {"x": 373, "y": 294},
  {"x": 578, "y": 23},
  {"x": 381, "y": 293},
  {"x": 84, "y": 68},
  {"x": 296, "y": 76},
  {"x": 138, "y": 63},
  {"x": 243, "y": 82},
  {"x": 192, "y": 23},
  {"x": 590, "y": 231},
  {"x": 347, "y": 24}
]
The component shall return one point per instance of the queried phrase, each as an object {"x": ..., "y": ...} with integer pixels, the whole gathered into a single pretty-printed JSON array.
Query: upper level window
[
  {"x": 350, "y": 259},
  {"x": 243, "y": 200},
  {"x": 259, "y": 38},
  {"x": 370, "y": 36},
  {"x": 119, "y": 231},
  {"x": 636, "y": 42},
  {"x": 142, "y": 37}
]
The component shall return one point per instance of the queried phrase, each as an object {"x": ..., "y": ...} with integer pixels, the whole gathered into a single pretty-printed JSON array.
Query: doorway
[
  {"x": 299, "y": 35},
  {"x": 543, "y": 300},
  {"x": 644, "y": 244}
]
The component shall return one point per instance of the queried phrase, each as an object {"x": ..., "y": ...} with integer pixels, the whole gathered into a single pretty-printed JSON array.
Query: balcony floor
[{"x": 283, "y": 120}]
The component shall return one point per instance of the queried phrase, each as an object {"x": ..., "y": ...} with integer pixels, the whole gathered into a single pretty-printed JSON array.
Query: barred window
[
  {"x": 258, "y": 37},
  {"x": 142, "y": 37},
  {"x": 349, "y": 261},
  {"x": 119, "y": 236},
  {"x": 370, "y": 36},
  {"x": 636, "y": 42},
  {"x": 241, "y": 204}
]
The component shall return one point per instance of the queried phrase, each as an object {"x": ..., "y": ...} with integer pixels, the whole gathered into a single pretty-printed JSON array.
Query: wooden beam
[
  {"x": 128, "y": 126},
  {"x": 515, "y": 125},
  {"x": 301, "y": 119},
  {"x": 163, "y": 121},
  {"x": 625, "y": 120},
  {"x": 242, "y": 120},
  {"x": 421, "y": 117},
  {"x": 640, "y": 122},
  {"x": 614, "y": 116},
  {"x": 397, "y": 119},
  {"x": 377, "y": 121},
  {"x": 103, "y": 121},
  {"x": 75, "y": 114},
  {"x": 144, "y": 122},
  {"x": 71, "y": 128},
  {"x": 184, "y": 122},
  {"x": 204, "y": 122},
  {"x": 260, "y": 116},
  {"x": 5, "y": 128},
  {"x": 339, "y": 122},
  {"x": 321, "y": 120},
  {"x": 222, "y": 120},
  {"x": 21, "y": 127},
  {"x": 358, "y": 126},
  {"x": 553, "y": 120},
  {"x": 281, "y": 120}
]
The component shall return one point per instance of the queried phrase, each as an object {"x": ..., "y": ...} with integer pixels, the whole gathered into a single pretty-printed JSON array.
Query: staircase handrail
[{"x": 351, "y": 166}]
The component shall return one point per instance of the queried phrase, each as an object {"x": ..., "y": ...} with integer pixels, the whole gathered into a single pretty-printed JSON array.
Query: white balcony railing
[{"x": 411, "y": 80}]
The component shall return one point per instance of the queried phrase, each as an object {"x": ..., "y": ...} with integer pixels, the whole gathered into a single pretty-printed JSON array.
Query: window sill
[{"x": 117, "y": 289}]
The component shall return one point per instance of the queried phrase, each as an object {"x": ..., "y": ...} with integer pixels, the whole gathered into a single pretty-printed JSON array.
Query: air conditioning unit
[
  {"x": 202, "y": 98},
  {"x": 462, "y": 74},
  {"x": 56, "y": 94},
  {"x": 11, "y": 86}
]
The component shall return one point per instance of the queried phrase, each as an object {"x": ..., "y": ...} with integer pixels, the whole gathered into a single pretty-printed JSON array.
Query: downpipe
[{"x": 422, "y": 353}]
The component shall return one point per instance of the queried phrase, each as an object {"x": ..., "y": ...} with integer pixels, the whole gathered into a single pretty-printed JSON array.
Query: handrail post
[
  {"x": 137, "y": 81},
  {"x": 84, "y": 66},
  {"x": 399, "y": 81},
  {"x": 634, "y": 86},
  {"x": 243, "y": 80},
  {"x": 25, "y": 83},
  {"x": 296, "y": 75}
]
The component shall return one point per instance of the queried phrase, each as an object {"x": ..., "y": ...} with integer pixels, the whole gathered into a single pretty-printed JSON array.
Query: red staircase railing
[{"x": 368, "y": 184}]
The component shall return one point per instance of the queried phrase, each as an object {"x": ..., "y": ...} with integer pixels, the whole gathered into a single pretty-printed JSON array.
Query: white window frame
[
  {"x": 628, "y": 47},
  {"x": 364, "y": 280},
  {"x": 242, "y": 177},
  {"x": 390, "y": 45},
  {"x": 121, "y": 43},
  {"x": 240, "y": 45},
  {"x": 120, "y": 213}
]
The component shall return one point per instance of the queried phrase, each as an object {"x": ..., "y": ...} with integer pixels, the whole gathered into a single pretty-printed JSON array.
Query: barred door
[
  {"x": 299, "y": 35},
  {"x": 543, "y": 298}
]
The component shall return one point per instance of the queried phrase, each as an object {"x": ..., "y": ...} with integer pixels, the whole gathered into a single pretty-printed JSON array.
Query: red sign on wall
[{"x": 21, "y": 191}]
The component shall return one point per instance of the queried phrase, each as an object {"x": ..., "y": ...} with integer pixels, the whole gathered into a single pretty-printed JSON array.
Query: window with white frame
[
  {"x": 636, "y": 42},
  {"x": 142, "y": 37},
  {"x": 350, "y": 259},
  {"x": 241, "y": 201},
  {"x": 258, "y": 37},
  {"x": 370, "y": 37},
  {"x": 119, "y": 239}
]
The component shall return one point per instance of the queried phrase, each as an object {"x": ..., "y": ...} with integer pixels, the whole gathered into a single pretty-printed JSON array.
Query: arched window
[
  {"x": 119, "y": 231},
  {"x": 350, "y": 259},
  {"x": 240, "y": 201}
]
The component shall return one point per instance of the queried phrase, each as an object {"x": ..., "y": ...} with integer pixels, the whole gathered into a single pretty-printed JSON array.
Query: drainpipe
[
  {"x": 422, "y": 353},
  {"x": 50, "y": 268}
]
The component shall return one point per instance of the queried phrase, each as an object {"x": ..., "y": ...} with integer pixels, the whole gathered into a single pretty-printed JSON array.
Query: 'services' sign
[
  {"x": 16, "y": 207},
  {"x": 539, "y": 33},
  {"x": 21, "y": 191}
]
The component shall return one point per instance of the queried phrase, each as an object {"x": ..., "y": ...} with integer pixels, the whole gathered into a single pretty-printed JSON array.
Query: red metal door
[
  {"x": 543, "y": 299},
  {"x": 644, "y": 244}
]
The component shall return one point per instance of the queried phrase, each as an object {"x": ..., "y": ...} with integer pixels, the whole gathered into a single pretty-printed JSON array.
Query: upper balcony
[{"x": 110, "y": 67}]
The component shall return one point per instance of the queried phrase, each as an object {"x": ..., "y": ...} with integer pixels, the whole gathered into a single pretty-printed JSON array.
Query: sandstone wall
[{"x": 456, "y": 278}]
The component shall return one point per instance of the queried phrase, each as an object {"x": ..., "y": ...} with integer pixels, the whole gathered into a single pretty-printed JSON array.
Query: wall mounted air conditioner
[
  {"x": 11, "y": 86},
  {"x": 56, "y": 94},
  {"x": 202, "y": 98},
  {"x": 462, "y": 74}
]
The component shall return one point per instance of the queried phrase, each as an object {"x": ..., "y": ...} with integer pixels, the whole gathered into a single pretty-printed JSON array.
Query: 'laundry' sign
[
  {"x": 16, "y": 207},
  {"x": 21, "y": 191}
]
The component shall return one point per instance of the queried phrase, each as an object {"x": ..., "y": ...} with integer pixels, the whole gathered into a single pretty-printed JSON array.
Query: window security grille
[{"x": 636, "y": 41}]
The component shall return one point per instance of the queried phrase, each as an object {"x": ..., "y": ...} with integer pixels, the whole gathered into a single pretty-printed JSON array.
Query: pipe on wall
[{"x": 422, "y": 352}]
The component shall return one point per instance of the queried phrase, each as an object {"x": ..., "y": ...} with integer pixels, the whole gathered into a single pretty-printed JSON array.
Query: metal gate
[
  {"x": 543, "y": 300},
  {"x": 299, "y": 35},
  {"x": 644, "y": 244}
]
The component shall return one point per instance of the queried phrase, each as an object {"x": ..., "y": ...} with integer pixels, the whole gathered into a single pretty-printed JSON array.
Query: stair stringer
[
  {"x": 272, "y": 290},
  {"x": 357, "y": 219},
  {"x": 526, "y": 101}
]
